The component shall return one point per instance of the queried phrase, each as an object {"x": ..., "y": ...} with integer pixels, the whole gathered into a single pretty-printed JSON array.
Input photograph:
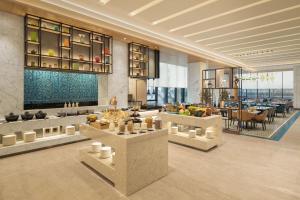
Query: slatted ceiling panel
[
  {"x": 250, "y": 38},
  {"x": 269, "y": 45},
  {"x": 242, "y": 15},
  {"x": 212, "y": 9},
  {"x": 127, "y": 5},
  {"x": 152, "y": 14},
  {"x": 270, "y": 29},
  {"x": 227, "y": 27}
]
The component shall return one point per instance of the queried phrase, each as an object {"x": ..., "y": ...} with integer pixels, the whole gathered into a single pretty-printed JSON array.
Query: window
[{"x": 264, "y": 85}]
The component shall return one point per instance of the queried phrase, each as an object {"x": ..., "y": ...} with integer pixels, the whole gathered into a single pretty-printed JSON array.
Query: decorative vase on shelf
[
  {"x": 69, "y": 105},
  {"x": 44, "y": 64},
  {"x": 81, "y": 57},
  {"x": 51, "y": 52},
  {"x": 81, "y": 37},
  {"x": 66, "y": 42},
  {"x": 77, "y": 104},
  {"x": 32, "y": 64},
  {"x": 65, "y": 105},
  {"x": 97, "y": 59},
  {"x": 33, "y": 51},
  {"x": 73, "y": 105},
  {"x": 33, "y": 36}
]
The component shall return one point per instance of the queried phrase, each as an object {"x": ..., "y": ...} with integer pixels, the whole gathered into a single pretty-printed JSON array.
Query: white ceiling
[{"x": 252, "y": 33}]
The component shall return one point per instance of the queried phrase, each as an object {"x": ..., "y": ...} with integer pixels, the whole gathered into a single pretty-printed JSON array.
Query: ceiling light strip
[
  {"x": 248, "y": 29},
  {"x": 219, "y": 15},
  {"x": 183, "y": 11},
  {"x": 278, "y": 47},
  {"x": 255, "y": 35},
  {"x": 282, "y": 36},
  {"x": 145, "y": 7},
  {"x": 245, "y": 20},
  {"x": 260, "y": 45},
  {"x": 207, "y": 54},
  {"x": 103, "y": 2}
]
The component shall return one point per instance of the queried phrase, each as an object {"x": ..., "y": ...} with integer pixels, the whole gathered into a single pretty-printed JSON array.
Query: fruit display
[{"x": 92, "y": 118}]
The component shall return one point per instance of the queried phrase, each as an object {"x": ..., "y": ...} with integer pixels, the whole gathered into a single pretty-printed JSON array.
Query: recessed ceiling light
[
  {"x": 103, "y": 2},
  {"x": 124, "y": 38},
  {"x": 219, "y": 15},
  {"x": 290, "y": 49},
  {"x": 265, "y": 44},
  {"x": 145, "y": 7},
  {"x": 244, "y": 20},
  {"x": 183, "y": 11}
]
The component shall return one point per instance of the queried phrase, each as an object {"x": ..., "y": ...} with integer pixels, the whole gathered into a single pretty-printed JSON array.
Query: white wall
[
  {"x": 297, "y": 86},
  {"x": 118, "y": 80},
  {"x": 195, "y": 81},
  {"x": 11, "y": 63}
]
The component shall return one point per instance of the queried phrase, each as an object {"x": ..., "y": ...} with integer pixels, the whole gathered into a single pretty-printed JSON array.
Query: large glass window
[{"x": 265, "y": 85}]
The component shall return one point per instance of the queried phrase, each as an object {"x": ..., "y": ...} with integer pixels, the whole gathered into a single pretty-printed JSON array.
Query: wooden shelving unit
[
  {"x": 51, "y": 45},
  {"x": 138, "y": 60}
]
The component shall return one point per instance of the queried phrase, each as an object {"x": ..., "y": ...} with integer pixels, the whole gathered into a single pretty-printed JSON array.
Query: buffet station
[
  {"x": 130, "y": 151},
  {"x": 31, "y": 131},
  {"x": 194, "y": 127}
]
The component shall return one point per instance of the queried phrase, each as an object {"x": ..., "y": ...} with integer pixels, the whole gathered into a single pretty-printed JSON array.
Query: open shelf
[
  {"x": 138, "y": 60},
  {"x": 68, "y": 44}
]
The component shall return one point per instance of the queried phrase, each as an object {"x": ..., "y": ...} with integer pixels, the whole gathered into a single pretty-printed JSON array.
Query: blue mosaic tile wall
[{"x": 44, "y": 87}]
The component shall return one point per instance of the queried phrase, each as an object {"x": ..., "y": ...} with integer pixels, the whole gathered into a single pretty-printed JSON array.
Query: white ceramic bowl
[
  {"x": 174, "y": 129},
  {"x": 192, "y": 133},
  {"x": 105, "y": 152},
  {"x": 96, "y": 147}
]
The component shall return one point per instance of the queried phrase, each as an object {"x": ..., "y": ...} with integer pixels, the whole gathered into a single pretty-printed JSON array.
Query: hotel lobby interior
[{"x": 149, "y": 99}]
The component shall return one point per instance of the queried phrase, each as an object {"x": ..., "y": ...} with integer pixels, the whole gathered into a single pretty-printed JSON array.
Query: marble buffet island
[
  {"x": 136, "y": 160},
  {"x": 202, "y": 133}
]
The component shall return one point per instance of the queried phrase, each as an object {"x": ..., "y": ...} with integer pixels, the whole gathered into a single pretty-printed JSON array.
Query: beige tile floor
[{"x": 242, "y": 168}]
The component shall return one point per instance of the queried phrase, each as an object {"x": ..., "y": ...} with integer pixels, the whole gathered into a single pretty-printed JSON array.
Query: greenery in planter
[
  {"x": 224, "y": 95},
  {"x": 206, "y": 96}
]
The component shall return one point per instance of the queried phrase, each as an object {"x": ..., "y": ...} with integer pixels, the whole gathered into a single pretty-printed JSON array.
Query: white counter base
[
  {"x": 140, "y": 159},
  {"x": 199, "y": 142},
  {"x": 212, "y": 123},
  {"x": 40, "y": 143}
]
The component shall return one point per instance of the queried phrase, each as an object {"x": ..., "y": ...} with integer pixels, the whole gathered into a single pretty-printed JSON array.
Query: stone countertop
[{"x": 52, "y": 120}]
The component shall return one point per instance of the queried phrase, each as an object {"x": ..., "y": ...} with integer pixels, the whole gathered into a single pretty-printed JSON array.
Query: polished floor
[{"x": 242, "y": 168}]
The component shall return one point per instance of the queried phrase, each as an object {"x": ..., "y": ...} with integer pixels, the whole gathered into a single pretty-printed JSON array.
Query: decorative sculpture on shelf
[{"x": 236, "y": 88}]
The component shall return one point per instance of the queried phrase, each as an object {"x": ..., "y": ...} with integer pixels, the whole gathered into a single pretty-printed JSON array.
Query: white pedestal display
[
  {"x": 9, "y": 140},
  {"x": 29, "y": 136},
  {"x": 137, "y": 160},
  {"x": 211, "y": 125}
]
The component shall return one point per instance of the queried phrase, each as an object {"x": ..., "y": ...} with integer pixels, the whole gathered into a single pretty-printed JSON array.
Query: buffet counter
[
  {"x": 208, "y": 136},
  {"x": 137, "y": 161}
]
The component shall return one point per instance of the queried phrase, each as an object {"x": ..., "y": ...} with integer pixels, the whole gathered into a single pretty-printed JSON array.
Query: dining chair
[
  {"x": 244, "y": 118},
  {"x": 271, "y": 115},
  {"x": 281, "y": 109},
  {"x": 261, "y": 118}
]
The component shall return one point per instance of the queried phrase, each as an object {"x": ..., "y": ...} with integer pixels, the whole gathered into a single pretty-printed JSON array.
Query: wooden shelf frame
[{"x": 141, "y": 71}]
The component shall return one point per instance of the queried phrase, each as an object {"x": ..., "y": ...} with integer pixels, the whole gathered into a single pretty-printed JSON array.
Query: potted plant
[
  {"x": 223, "y": 97},
  {"x": 206, "y": 97}
]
